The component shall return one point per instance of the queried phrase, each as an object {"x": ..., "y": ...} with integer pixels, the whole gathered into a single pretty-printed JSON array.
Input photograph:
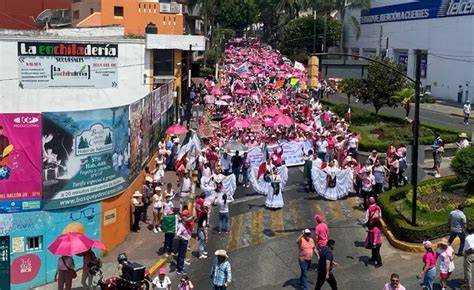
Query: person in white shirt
[
  {"x": 467, "y": 111},
  {"x": 225, "y": 163},
  {"x": 222, "y": 201},
  {"x": 162, "y": 282},
  {"x": 353, "y": 145},
  {"x": 468, "y": 259},
  {"x": 185, "y": 190},
  {"x": 463, "y": 142},
  {"x": 322, "y": 146}
]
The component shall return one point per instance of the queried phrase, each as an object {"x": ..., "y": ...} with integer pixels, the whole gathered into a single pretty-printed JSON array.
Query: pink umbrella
[
  {"x": 70, "y": 244},
  {"x": 99, "y": 245},
  {"x": 272, "y": 111},
  {"x": 226, "y": 97},
  {"x": 176, "y": 129},
  {"x": 242, "y": 92},
  {"x": 268, "y": 123},
  {"x": 283, "y": 120},
  {"x": 216, "y": 91},
  {"x": 239, "y": 123},
  {"x": 227, "y": 119},
  {"x": 254, "y": 120},
  {"x": 209, "y": 99},
  {"x": 303, "y": 127}
]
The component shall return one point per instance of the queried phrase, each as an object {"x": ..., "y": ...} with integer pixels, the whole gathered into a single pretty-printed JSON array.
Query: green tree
[
  {"x": 351, "y": 87},
  {"x": 381, "y": 85},
  {"x": 237, "y": 14},
  {"x": 298, "y": 34},
  {"x": 341, "y": 7},
  {"x": 405, "y": 97},
  {"x": 463, "y": 166}
]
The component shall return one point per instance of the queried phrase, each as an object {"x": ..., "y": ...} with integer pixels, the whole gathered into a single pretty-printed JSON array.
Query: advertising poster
[
  {"x": 85, "y": 156},
  {"x": 20, "y": 162},
  {"x": 140, "y": 118},
  {"x": 156, "y": 106},
  {"x": 44, "y": 65}
]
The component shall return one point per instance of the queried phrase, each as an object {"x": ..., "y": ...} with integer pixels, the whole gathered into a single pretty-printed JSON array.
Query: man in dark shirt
[
  {"x": 325, "y": 265},
  {"x": 236, "y": 165}
]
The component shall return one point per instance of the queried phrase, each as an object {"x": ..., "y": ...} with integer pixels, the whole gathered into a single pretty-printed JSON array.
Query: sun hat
[
  {"x": 158, "y": 188},
  {"x": 306, "y": 231},
  {"x": 428, "y": 244},
  {"x": 137, "y": 194},
  {"x": 221, "y": 253},
  {"x": 463, "y": 135},
  {"x": 443, "y": 241},
  {"x": 162, "y": 271}
]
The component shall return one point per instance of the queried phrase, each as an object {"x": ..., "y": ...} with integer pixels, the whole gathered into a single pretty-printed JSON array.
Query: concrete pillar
[{"x": 411, "y": 63}]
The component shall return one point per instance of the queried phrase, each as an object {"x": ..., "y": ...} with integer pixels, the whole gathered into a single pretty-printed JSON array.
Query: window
[
  {"x": 75, "y": 14},
  {"x": 118, "y": 11},
  {"x": 92, "y": 10},
  {"x": 76, "y": 1},
  {"x": 34, "y": 243},
  {"x": 163, "y": 62}
]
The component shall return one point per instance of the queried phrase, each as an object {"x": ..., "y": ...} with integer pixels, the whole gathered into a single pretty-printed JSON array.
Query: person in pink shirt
[
  {"x": 429, "y": 268},
  {"x": 394, "y": 283},
  {"x": 321, "y": 230},
  {"x": 374, "y": 242}
]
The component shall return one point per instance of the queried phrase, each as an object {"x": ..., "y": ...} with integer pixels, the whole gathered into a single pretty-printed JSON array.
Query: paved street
[
  {"x": 262, "y": 247},
  {"x": 439, "y": 114}
]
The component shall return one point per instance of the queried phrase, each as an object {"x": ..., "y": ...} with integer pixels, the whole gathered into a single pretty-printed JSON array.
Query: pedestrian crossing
[{"x": 255, "y": 227}]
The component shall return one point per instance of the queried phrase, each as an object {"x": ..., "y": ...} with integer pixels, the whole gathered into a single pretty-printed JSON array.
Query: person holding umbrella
[
  {"x": 89, "y": 260},
  {"x": 66, "y": 272}
]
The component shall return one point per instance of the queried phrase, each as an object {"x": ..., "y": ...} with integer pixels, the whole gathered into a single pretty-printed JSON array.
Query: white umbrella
[{"x": 221, "y": 103}]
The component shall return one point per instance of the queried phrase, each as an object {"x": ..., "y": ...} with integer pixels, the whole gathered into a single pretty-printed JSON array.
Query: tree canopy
[{"x": 238, "y": 14}]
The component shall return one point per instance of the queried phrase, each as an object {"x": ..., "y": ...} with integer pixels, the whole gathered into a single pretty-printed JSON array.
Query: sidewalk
[{"x": 444, "y": 107}]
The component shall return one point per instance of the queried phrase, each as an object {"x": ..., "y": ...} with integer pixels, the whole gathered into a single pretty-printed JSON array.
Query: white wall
[
  {"x": 133, "y": 63},
  {"x": 444, "y": 38}
]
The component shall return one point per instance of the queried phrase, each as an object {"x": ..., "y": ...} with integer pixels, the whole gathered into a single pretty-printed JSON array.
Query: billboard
[
  {"x": 140, "y": 118},
  {"x": 418, "y": 9},
  {"x": 85, "y": 156},
  {"x": 51, "y": 65},
  {"x": 20, "y": 162}
]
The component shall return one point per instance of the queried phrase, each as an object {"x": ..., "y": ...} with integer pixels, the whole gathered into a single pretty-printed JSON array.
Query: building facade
[
  {"x": 132, "y": 15},
  {"x": 82, "y": 112},
  {"x": 442, "y": 29}
]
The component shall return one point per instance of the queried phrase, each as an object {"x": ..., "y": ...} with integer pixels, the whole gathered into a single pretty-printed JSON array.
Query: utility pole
[
  {"x": 416, "y": 132},
  {"x": 380, "y": 41},
  {"x": 314, "y": 30},
  {"x": 386, "y": 47},
  {"x": 188, "y": 103},
  {"x": 325, "y": 31}
]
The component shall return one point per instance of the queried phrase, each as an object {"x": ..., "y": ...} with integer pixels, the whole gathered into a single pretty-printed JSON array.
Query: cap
[
  {"x": 306, "y": 231},
  {"x": 371, "y": 200},
  {"x": 157, "y": 188},
  {"x": 170, "y": 212},
  {"x": 185, "y": 212},
  {"x": 221, "y": 253},
  {"x": 374, "y": 151},
  {"x": 162, "y": 271},
  {"x": 318, "y": 218},
  {"x": 428, "y": 244}
]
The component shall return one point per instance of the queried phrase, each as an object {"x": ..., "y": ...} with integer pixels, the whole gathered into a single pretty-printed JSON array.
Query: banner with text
[
  {"x": 44, "y": 65},
  {"x": 140, "y": 114},
  {"x": 20, "y": 162},
  {"x": 85, "y": 156}
]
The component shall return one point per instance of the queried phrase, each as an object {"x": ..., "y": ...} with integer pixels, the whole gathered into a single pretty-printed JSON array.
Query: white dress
[
  {"x": 275, "y": 194},
  {"x": 342, "y": 186}
]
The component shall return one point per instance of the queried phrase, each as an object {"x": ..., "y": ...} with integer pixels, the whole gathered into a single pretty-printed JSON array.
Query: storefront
[{"x": 440, "y": 28}]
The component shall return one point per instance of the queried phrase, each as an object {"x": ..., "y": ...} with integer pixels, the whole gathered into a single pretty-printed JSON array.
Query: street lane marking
[
  {"x": 257, "y": 227},
  {"x": 296, "y": 214},
  {"x": 234, "y": 236},
  {"x": 247, "y": 230},
  {"x": 317, "y": 208},
  {"x": 335, "y": 210},
  {"x": 277, "y": 222}
]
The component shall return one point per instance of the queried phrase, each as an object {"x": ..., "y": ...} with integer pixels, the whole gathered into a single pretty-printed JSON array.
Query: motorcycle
[{"x": 120, "y": 283}]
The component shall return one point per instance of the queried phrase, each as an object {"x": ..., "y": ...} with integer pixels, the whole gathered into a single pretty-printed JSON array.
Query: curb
[
  {"x": 460, "y": 115},
  {"x": 407, "y": 246}
]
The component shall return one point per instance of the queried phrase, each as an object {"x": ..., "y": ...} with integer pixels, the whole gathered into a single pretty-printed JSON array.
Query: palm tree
[
  {"x": 293, "y": 7},
  {"x": 405, "y": 97}
]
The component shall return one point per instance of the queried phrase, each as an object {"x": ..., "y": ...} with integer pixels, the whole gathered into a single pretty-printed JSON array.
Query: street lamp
[{"x": 416, "y": 121}]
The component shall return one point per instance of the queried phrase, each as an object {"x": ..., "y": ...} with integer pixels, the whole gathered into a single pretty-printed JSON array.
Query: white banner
[
  {"x": 256, "y": 156},
  {"x": 67, "y": 65}
]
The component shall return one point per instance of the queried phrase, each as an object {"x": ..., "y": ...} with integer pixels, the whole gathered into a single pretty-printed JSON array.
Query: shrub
[
  {"x": 463, "y": 165},
  {"x": 401, "y": 227}
]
